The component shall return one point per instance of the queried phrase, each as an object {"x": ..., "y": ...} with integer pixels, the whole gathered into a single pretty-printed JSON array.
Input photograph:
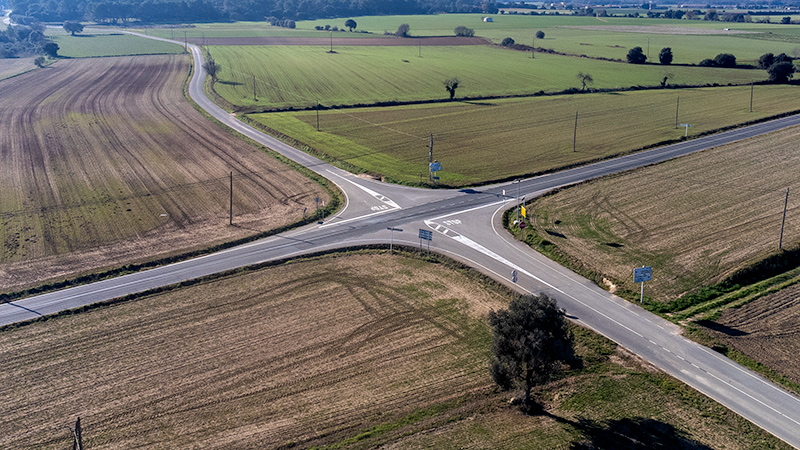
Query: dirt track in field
[
  {"x": 767, "y": 330},
  {"x": 326, "y": 41},
  {"x": 302, "y": 353},
  {"x": 105, "y": 163}
]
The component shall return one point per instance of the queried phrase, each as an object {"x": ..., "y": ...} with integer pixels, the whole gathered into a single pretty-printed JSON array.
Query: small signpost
[
  {"x": 640, "y": 275},
  {"x": 426, "y": 235},
  {"x": 687, "y": 126},
  {"x": 434, "y": 167},
  {"x": 391, "y": 237},
  {"x": 514, "y": 280}
]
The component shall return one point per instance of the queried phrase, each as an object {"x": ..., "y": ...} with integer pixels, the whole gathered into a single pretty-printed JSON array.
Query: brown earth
[
  {"x": 296, "y": 353},
  {"x": 105, "y": 163},
  {"x": 767, "y": 330},
  {"x": 352, "y": 352},
  {"x": 325, "y": 41}
]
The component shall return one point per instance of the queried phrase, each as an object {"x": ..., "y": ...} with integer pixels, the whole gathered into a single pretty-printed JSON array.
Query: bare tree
[
  {"x": 585, "y": 79},
  {"x": 212, "y": 68},
  {"x": 667, "y": 76},
  {"x": 451, "y": 84}
]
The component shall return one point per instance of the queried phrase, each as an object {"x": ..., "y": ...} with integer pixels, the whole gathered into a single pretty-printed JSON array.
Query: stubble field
[
  {"x": 105, "y": 162},
  {"x": 354, "y": 352},
  {"x": 695, "y": 219},
  {"x": 765, "y": 330}
]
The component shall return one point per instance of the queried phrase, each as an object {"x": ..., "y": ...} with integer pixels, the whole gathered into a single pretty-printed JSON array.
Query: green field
[
  {"x": 500, "y": 139},
  {"x": 687, "y": 49},
  {"x": 90, "y": 44},
  {"x": 244, "y": 29},
  {"x": 302, "y": 75}
]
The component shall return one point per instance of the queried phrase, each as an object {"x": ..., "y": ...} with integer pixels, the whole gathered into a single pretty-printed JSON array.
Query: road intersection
[{"x": 467, "y": 226}]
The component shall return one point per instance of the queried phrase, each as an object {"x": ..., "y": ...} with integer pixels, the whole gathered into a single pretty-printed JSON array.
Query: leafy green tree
[
  {"x": 72, "y": 27},
  {"x": 507, "y": 42},
  {"x": 451, "y": 84},
  {"x": 351, "y": 24},
  {"x": 781, "y": 72},
  {"x": 585, "y": 79},
  {"x": 50, "y": 49},
  {"x": 531, "y": 342},
  {"x": 665, "y": 56},
  {"x": 725, "y": 60},
  {"x": 39, "y": 61},
  {"x": 636, "y": 56},
  {"x": 463, "y": 31},
  {"x": 786, "y": 20},
  {"x": 540, "y": 34},
  {"x": 403, "y": 30},
  {"x": 766, "y": 60}
]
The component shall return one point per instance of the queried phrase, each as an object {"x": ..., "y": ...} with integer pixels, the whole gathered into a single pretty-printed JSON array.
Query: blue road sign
[
  {"x": 436, "y": 166},
  {"x": 642, "y": 274},
  {"x": 426, "y": 234}
]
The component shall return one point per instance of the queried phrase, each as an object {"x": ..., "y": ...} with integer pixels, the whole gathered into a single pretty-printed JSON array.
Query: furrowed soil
[
  {"x": 766, "y": 330},
  {"x": 695, "y": 219},
  {"x": 106, "y": 163},
  {"x": 344, "y": 352}
]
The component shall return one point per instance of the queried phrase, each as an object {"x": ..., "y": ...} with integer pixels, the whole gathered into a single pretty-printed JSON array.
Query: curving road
[{"x": 466, "y": 226}]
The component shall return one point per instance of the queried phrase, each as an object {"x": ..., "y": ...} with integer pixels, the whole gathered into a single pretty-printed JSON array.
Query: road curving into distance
[{"x": 466, "y": 226}]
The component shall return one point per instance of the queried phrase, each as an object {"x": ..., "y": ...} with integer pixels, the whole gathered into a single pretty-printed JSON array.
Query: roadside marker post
[
  {"x": 426, "y": 235},
  {"x": 514, "y": 280},
  {"x": 640, "y": 275},
  {"x": 391, "y": 237},
  {"x": 687, "y": 126}
]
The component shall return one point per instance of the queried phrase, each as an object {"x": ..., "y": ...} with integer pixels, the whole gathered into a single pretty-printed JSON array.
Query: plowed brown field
[
  {"x": 296, "y": 353},
  {"x": 105, "y": 162},
  {"x": 767, "y": 330}
]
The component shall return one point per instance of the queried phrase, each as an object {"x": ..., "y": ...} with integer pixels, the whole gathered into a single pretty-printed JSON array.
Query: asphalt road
[{"x": 466, "y": 226}]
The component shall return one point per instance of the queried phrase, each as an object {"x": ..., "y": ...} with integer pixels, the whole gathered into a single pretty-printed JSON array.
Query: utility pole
[
  {"x": 785, "y": 204},
  {"x": 751, "y": 97},
  {"x": 184, "y": 41},
  {"x": 430, "y": 159},
  {"x": 77, "y": 443},
  {"x": 331, "y": 43},
  {"x": 575, "y": 133},
  {"x": 677, "y": 105},
  {"x": 533, "y": 47},
  {"x": 230, "y": 207},
  {"x": 254, "y": 88},
  {"x": 419, "y": 47},
  {"x": 317, "y": 115}
]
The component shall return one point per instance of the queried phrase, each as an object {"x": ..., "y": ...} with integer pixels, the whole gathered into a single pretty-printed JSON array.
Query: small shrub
[{"x": 507, "y": 42}]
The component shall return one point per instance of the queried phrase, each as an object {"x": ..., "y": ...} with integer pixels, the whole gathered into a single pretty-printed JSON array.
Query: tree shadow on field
[
  {"x": 638, "y": 433},
  {"x": 710, "y": 324},
  {"x": 230, "y": 83}
]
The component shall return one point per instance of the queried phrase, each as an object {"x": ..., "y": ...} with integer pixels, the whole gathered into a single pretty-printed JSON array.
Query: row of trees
[{"x": 160, "y": 11}]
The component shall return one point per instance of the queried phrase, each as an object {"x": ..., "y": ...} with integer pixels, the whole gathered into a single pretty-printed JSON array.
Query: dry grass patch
[
  {"x": 105, "y": 163},
  {"x": 695, "y": 219}
]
